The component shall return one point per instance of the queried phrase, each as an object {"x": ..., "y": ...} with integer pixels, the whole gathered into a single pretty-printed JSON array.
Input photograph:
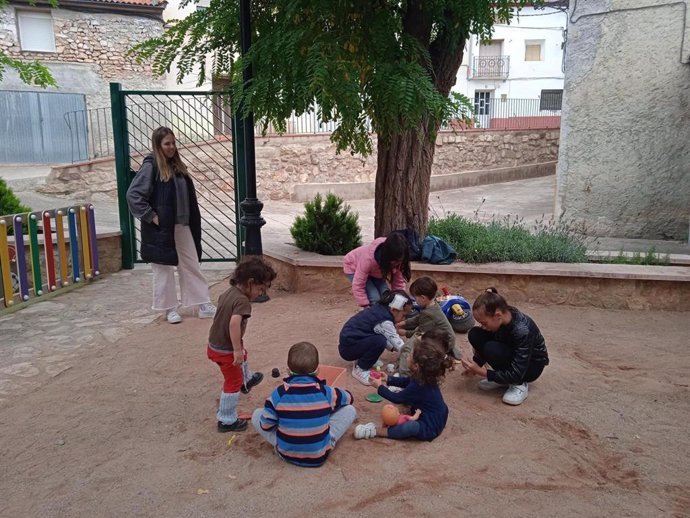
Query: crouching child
[{"x": 304, "y": 417}]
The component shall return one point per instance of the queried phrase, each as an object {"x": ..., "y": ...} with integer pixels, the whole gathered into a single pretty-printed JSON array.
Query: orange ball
[{"x": 390, "y": 415}]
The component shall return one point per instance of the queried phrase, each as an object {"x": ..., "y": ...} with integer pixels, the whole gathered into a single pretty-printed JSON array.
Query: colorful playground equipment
[{"x": 69, "y": 252}]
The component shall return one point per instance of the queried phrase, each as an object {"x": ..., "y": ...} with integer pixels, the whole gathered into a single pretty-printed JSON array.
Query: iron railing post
[
  {"x": 251, "y": 206},
  {"x": 238, "y": 166},
  {"x": 119, "y": 113}
]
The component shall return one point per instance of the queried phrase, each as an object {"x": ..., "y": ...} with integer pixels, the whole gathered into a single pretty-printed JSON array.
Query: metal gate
[
  {"x": 33, "y": 129},
  {"x": 202, "y": 123}
]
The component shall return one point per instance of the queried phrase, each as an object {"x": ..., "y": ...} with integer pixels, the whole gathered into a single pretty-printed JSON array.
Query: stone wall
[
  {"x": 624, "y": 166},
  {"x": 90, "y": 52},
  {"x": 607, "y": 286},
  {"x": 284, "y": 162}
]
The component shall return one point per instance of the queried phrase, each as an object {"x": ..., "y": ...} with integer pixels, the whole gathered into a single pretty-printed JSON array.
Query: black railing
[{"x": 493, "y": 67}]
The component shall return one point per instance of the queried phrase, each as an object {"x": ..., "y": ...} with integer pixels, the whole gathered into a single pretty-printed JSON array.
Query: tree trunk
[
  {"x": 403, "y": 173},
  {"x": 402, "y": 182}
]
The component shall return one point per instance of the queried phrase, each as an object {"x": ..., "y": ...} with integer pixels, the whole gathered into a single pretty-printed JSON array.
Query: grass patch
[
  {"x": 649, "y": 258},
  {"x": 509, "y": 239}
]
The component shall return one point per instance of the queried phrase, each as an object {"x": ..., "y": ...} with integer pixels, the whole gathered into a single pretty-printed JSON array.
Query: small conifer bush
[
  {"x": 327, "y": 227},
  {"x": 9, "y": 203}
]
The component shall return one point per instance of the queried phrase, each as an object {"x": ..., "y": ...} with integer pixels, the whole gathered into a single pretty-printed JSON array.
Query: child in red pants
[{"x": 252, "y": 278}]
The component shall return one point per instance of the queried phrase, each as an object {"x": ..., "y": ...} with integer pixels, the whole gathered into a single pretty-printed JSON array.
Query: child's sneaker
[
  {"x": 207, "y": 310},
  {"x": 253, "y": 382},
  {"x": 490, "y": 385},
  {"x": 365, "y": 431},
  {"x": 515, "y": 394},
  {"x": 238, "y": 426},
  {"x": 173, "y": 317},
  {"x": 361, "y": 375}
]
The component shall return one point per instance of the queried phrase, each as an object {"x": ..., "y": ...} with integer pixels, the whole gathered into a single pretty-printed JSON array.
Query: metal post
[
  {"x": 251, "y": 206},
  {"x": 119, "y": 112},
  {"x": 239, "y": 171}
]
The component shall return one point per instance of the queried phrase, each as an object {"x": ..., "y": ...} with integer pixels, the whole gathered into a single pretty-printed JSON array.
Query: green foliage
[
  {"x": 650, "y": 258},
  {"x": 508, "y": 239},
  {"x": 9, "y": 203},
  {"x": 30, "y": 72},
  {"x": 389, "y": 62},
  {"x": 327, "y": 227}
]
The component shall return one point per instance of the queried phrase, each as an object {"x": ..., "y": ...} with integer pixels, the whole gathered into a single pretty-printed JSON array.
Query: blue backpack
[{"x": 436, "y": 251}]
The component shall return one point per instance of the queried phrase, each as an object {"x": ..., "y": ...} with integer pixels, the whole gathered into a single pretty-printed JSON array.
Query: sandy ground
[{"x": 130, "y": 429}]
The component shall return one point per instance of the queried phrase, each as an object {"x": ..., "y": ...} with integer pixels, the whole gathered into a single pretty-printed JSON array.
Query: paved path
[{"x": 45, "y": 339}]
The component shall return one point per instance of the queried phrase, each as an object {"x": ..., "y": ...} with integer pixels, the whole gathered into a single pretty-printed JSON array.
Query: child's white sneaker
[
  {"x": 361, "y": 375},
  {"x": 490, "y": 385},
  {"x": 365, "y": 431},
  {"x": 515, "y": 394},
  {"x": 173, "y": 317},
  {"x": 207, "y": 310}
]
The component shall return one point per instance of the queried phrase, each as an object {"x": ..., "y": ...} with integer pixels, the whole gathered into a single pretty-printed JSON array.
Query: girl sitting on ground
[
  {"x": 509, "y": 342},
  {"x": 371, "y": 331},
  {"x": 428, "y": 366},
  {"x": 372, "y": 268}
]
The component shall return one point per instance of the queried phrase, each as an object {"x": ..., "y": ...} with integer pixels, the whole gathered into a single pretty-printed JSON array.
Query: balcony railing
[{"x": 490, "y": 67}]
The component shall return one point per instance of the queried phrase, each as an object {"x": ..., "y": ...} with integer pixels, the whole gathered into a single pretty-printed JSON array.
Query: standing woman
[
  {"x": 509, "y": 342},
  {"x": 162, "y": 196},
  {"x": 373, "y": 269}
]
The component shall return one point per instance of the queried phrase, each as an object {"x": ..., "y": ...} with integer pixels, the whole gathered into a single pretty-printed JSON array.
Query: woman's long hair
[{"x": 166, "y": 166}]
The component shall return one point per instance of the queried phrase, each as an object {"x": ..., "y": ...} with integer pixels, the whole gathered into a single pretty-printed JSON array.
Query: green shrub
[
  {"x": 508, "y": 239},
  {"x": 9, "y": 203},
  {"x": 327, "y": 227}
]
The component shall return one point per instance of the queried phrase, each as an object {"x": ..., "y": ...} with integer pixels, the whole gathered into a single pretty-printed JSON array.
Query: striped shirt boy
[{"x": 300, "y": 410}]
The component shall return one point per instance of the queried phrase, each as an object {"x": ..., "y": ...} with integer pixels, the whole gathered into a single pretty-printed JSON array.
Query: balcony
[{"x": 490, "y": 67}]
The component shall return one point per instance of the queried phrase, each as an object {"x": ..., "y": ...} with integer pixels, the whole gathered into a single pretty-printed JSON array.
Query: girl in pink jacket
[{"x": 371, "y": 268}]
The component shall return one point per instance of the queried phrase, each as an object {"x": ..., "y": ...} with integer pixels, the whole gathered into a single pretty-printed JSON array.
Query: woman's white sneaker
[
  {"x": 173, "y": 317},
  {"x": 365, "y": 431},
  {"x": 515, "y": 394},
  {"x": 207, "y": 310}
]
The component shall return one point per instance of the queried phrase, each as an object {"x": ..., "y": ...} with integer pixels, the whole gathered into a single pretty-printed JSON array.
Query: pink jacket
[{"x": 362, "y": 264}]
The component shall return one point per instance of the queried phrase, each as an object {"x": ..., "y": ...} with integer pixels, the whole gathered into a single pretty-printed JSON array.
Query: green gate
[{"x": 204, "y": 131}]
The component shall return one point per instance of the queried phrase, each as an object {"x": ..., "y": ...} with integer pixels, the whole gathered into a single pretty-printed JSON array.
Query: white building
[
  {"x": 173, "y": 11},
  {"x": 523, "y": 60}
]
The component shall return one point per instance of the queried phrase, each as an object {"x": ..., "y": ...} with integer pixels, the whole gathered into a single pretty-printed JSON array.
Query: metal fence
[
  {"x": 202, "y": 125},
  {"x": 91, "y": 130},
  {"x": 492, "y": 113}
]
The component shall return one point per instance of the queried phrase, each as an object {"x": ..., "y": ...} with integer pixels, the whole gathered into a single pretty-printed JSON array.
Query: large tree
[{"x": 381, "y": 65}]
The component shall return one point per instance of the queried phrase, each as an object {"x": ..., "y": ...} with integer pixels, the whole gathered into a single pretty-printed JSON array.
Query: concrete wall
[
  {"x": 90, "y": 53},
  {"x": 285, "y": 162},
  {"x": 624, "y": 161},
  {"x": 608, "y": 286}
]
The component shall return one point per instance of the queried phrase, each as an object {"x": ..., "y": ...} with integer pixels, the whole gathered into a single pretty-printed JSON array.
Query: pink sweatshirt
[{"x": 362, "y": 263}]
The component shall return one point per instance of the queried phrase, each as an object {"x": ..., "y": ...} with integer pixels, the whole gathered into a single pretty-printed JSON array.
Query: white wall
[
  {"x": 525, "y": 79},
  {"x": 173, "y": 11}
]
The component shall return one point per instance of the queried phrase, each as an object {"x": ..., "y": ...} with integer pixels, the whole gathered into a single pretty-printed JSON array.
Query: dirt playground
[{"x": 130, "y": 429}]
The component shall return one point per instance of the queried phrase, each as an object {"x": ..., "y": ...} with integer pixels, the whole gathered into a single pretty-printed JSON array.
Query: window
[
  {"x": 482, "y": 102},
  {"x": 492, "y": 48},
  {"x": 36, "y": 31},
  {"x": 551, "y": 100},
  {"x": 534, "y": 50}
]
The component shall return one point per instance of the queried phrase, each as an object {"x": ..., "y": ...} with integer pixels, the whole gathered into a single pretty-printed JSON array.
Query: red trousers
[{"x": 232, "y": 374}]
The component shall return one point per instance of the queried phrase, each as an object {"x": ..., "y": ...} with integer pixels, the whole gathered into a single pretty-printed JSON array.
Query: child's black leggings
[{"x": 498, "y": 354}]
